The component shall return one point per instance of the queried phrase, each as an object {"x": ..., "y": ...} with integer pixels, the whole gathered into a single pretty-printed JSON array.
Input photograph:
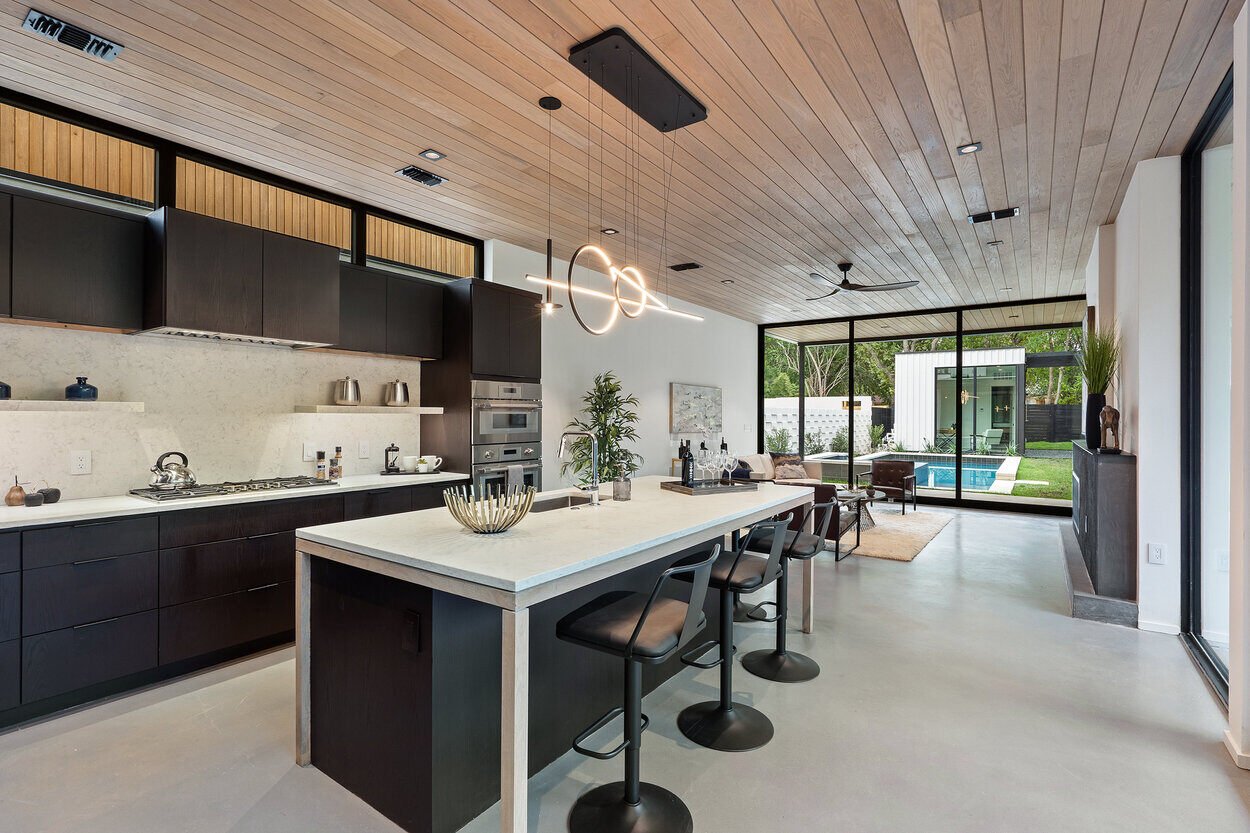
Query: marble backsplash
[{"x": 228, "y": 407}]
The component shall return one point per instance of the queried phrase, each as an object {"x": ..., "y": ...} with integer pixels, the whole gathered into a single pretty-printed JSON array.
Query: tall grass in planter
[{"x": 1098, "y": 360}]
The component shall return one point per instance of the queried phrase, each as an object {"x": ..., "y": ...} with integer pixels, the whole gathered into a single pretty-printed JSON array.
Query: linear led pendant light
[{"x": 642, "y": 85}]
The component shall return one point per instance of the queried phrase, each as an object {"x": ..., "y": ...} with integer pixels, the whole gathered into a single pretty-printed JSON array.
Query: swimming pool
[{"x": 976, "y": 475}]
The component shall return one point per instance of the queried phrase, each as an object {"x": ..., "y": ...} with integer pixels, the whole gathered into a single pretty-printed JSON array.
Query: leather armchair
[{"x": 893, "y": 478}]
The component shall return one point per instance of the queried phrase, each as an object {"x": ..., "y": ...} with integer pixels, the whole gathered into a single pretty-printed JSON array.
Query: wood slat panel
[
  {"x": 416, "y": 247},
  {"x": 830, "y": 137},
  {"x": 40, "y": 146}
]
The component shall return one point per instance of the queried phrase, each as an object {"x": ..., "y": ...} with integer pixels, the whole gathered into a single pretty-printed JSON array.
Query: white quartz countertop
[
  {"x": 66, "y": 511},
  {"x": 546, "y": 546}
]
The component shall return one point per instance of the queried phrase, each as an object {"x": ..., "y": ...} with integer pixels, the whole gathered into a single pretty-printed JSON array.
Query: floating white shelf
[
  {"x": 366, "y": 409},
  {"x": 62, "y": 405}
]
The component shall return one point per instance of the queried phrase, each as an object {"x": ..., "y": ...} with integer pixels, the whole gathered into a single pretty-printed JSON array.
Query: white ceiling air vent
[
  {"x": 58, "y": 30},
  {"x": 420, "y": 175}
]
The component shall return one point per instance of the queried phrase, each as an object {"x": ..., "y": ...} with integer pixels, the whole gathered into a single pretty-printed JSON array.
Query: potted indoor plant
[
  {"x": 1098, "y": 359},
  {"x": 608, "y": 414}
]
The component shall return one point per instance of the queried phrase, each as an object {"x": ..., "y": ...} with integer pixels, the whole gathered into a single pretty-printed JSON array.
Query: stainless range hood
[{"x": 182, "y": 332}]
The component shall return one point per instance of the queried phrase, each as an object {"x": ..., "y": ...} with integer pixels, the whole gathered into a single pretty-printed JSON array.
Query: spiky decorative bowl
[{"x": 494, "y": 510}]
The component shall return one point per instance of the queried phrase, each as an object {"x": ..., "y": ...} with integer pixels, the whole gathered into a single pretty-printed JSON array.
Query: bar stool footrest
[
  {"x": 691, "y": 656},
  {"x": 604, "y": 720},
  {"x": 757, "y": 614}
]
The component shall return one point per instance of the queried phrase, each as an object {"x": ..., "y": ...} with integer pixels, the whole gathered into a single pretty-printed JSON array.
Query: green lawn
[
  {"x": 1040, "y": 445},
  {"x": 1057, "y": 473}
]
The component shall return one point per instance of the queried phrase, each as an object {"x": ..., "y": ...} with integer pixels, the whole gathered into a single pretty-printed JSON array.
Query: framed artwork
[{"x": 695, "y": 409}]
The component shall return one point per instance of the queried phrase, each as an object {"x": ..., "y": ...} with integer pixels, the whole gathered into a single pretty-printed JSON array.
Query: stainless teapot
[{"x": 171, "y": 475}]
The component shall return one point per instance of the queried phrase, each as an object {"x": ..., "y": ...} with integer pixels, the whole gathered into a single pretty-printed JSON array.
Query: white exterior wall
[
  {"x": 826, "y": 414},
  {"x": 915, "y": 389}
]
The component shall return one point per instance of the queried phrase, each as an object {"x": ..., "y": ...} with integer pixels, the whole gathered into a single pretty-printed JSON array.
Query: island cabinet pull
[
  {"x": 94, "y": 560},
  {"x": 411, "y": 642},
  {"x": 93, "y": 624},
  {"x": 263, "y": 587}
]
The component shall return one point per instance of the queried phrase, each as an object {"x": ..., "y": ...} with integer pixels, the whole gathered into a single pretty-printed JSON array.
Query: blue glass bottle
[{"x": 81, "y": 391}]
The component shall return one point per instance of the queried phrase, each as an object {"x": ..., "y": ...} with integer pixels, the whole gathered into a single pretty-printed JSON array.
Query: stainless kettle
[
  {"x": 347, "y": 392},
  {"x": 396, "y": 393},
  {"x": 171, "y": 475}
]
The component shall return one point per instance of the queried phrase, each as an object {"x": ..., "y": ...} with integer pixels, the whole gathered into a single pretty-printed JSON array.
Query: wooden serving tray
[{"x": 710, "y": 487}]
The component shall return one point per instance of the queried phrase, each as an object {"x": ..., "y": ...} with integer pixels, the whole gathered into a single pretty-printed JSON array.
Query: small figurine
[{"x": 1110, "y": 420}]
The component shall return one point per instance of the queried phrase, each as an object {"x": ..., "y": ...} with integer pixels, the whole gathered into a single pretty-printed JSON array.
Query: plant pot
[
  {"x": 622, "y": 488},
  {"x": 1094, "y": 403}
]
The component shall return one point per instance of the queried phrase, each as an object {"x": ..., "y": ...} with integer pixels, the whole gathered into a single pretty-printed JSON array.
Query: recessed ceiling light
[
  {"x": 728, "y": 281},
  {"x": 971, "y": 147},
  {"x": 995, "y": 243},
  {"x": 609, "y": 231},
  {"x": 433, "y": 155}
]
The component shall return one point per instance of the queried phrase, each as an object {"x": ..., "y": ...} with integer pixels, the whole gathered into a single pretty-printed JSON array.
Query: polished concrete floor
[{"x": 955, "y": 696}]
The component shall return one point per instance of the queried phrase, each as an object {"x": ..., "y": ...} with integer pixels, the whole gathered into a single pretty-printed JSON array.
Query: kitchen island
[{"x": 426, "y": 655}]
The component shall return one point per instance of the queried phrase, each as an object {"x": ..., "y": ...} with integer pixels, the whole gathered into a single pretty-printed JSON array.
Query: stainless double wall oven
[{"x": 506, "y": 433}]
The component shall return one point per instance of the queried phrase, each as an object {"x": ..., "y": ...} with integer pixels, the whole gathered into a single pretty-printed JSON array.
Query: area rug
[{"x": 900, "y": 537}]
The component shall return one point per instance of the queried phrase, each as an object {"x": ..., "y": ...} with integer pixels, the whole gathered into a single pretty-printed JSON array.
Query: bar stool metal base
[
  {"x": 603, "y": 810},
  {"x": 781, "y": 667},
  {"x": 737, "y": 729}
]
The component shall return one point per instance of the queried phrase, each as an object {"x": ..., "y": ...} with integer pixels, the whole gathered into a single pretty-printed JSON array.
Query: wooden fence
[{"x": 1052, "y": 423}]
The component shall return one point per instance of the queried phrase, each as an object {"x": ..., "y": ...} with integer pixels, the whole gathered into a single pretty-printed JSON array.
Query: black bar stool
[
  {"x": 641, "y": 629},
  {"x": 724, "y": 724},
  {"x": 779, "y": 664}
]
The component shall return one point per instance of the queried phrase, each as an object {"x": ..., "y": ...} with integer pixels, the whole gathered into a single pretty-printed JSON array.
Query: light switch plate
[
  {"x": 310, "y": 451},
  {"x": 80, "y": 462},
  {"x": 363, "y": 450}
]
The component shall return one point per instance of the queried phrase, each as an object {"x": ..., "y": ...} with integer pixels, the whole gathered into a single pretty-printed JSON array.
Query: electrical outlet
[
  {"x": 310, "y": 451},
  {"x": 80, "y": 462},
  {"x": 363, "y": 450},
  {"x": 1155, "y": 554}
]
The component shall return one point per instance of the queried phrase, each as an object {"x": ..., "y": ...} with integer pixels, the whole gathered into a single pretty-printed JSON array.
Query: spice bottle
[{"x": 321, "y": 465}]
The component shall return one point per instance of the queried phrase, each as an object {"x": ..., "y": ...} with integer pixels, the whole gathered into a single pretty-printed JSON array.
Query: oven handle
[
  {"x": 495, "y": 469},
  {"x": 514, "y": 404}
]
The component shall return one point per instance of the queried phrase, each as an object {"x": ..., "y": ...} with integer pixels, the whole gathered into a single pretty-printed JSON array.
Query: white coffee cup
[
  {"x": 429, "y": 463},
  {"x": 409, "y": 463}
]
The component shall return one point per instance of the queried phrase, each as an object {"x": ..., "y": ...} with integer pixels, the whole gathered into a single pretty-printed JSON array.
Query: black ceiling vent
[
  {"x": 685, "y": 267},
  {"x": 421, "y": 175},
  {"x": 617, "y": 63},
  {"x": 1000, "y": 214},
  {"x": 58, "y": 30}
]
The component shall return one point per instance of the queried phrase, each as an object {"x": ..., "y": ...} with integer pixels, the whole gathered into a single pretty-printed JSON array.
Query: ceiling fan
[{"x": 846, "y": 284}]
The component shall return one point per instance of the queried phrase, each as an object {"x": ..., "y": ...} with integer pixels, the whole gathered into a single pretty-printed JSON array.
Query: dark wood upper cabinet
[
  {"x": 414, "y": 317},
  {"x": 76, "y": 264},
  {"x": 203, "y": 274},
  {"x": 6, "y": 227},
  {"x": 300, "y": 290},
  {"x": 506, "y": 328},
  {"x": 362, "y": 309}
]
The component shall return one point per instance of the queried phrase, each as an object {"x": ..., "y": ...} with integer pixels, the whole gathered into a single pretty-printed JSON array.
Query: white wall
[
  {"x": 647, "y": 354},
  {"x": 229, "y": 407},
  {"x": 1145, "y": 289}
]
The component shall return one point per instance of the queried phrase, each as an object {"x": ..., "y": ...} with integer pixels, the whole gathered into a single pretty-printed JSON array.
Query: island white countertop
[
  {"x": 85, "y": 509},
  {"x": 546, "y": 546}
]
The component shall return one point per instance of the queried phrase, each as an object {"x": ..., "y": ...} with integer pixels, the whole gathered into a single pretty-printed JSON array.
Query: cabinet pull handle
[
  {"x": 265, "y": 535},
  {"x": 94, "y": 523},
  {"x": 94, "y": 560},
  {"x": 93, "y": 624},
  {"x": 263, "y": 587}
]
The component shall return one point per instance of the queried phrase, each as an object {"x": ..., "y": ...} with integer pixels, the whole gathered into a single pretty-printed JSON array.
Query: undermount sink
[{"x": 548, "y": 504}]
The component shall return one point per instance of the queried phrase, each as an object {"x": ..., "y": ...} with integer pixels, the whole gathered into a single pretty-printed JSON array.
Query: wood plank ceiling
[{"x": 831, "y": 132}]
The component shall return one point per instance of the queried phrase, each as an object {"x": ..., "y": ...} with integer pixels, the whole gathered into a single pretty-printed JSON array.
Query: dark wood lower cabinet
[
  {"x": 87, "y": 591},
  {"x": 209, "y": 625},
  {"x": 10, "y": 674},
  {"x": 205, "y": 570},
  {"x": 376, "y": 502},
  {"x": 60, "y": 661},
  {"x": 10, "y": 606}
]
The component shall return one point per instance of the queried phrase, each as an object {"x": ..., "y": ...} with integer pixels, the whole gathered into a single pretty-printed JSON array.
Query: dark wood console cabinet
[{"x": 1104, "y": 519}]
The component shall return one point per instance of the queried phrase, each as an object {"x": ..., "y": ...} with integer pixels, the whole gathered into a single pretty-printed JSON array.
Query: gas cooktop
[{"x": 231, "y": 488}]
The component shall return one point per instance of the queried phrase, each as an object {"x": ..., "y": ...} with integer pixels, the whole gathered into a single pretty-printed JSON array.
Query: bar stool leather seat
[
  {"x": 798, "y": 544},
  {"x": 748, "y": 575},
  {"x": 607, "y": 623}
]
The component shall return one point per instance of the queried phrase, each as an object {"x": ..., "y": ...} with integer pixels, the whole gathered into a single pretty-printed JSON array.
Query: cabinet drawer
[
  {"x": 204, "y": 570},
  {"x": 377, "y": 502},
  {"x": 10, "y": 552},
  {"x": 87, "y": 591},
  {"x": 221, "y": 523},
  {"x": 196, "y": 628},
  {"x": 431, "y": 497},
  {"x": 10, "y": 606},
  {"x": 10, "y": 674},
  {"x": 90, "y": 539},
  {"x": 60, "y": 661}
]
